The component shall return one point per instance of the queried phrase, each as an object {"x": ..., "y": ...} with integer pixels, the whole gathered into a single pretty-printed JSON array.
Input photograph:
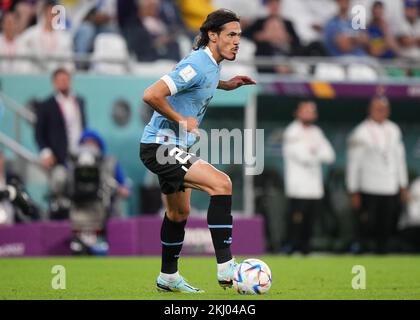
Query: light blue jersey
[{"x": 192, "y": 85}]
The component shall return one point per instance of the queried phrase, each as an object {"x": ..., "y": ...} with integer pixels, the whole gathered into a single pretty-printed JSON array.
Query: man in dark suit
[{"x": 60, "y": 122}]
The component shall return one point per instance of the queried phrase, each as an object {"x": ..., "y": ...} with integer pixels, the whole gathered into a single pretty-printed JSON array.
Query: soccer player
[{"x": 180, "y": 100}]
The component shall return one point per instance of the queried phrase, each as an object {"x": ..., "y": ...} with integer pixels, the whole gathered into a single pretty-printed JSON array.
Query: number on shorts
[{"x": 178, "y": 155}]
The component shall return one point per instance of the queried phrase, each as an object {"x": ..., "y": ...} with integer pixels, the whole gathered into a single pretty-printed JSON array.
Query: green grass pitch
[{"x": 313, "y": 277}]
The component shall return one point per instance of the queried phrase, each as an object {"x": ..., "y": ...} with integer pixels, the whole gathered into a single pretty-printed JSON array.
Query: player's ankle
[
  {"x": 169, "y": 276},
  {"x": 223, "y": 267}
]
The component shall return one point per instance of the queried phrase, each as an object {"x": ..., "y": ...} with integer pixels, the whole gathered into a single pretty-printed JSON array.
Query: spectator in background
[
  {"x": 21, "y": 208},
  {"x": 149, "y": 37},
  {"x": 9, "y": 46},
  {"x": 94, "y": 139},
  {"x": 340, "y": 37},
  {"x": 169, "y": 13},
  {"x": 126, "y": 11},
  {"x": 376, "y": 177},
  {"x": 97, "y": 183},
  {"x": 101, "y": 18},
  {"x": 25, "y": 12},
  {"x": 249, "y": 13},
  {"x": 6, "y": 208},
  {"x": 310, "y": 22},
  {"x": 274, "y": 37},
  {"x": 60, "y": 122},
  {"x": 76, "y": 12},
  {"x": 194, "y": 12},
  {"x": 382, "y": 43},
  {"x": 408, "y": 32},
  {"x": 305, "y": 149},
  {"x": 47, "y": 44}
]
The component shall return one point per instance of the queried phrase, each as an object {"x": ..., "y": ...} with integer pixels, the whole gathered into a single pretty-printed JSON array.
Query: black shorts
[{"x": 169, "y": 162}]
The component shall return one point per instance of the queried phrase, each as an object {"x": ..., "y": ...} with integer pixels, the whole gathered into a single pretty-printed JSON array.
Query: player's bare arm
[
  {"x": 155, "y": 96},
  {"x": 235, "y": 83}
]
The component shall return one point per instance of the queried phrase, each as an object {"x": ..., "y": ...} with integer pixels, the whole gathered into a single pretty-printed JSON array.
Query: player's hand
[
  {"x": 48, "y": 161},
  {"x": 190, "y": 124},
  {"x": 237, "y": 82},
  {"x": 404, "y": 195},
  {"x": 356, "y": 201},
  {"x": 123, "y": 192}
]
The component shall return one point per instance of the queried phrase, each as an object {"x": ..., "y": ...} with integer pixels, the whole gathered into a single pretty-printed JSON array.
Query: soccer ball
[{"x": 252, "y": 276}]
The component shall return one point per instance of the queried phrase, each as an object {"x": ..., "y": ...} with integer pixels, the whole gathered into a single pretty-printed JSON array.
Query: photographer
[
  {"x": 93, "y": 182},
  {"x": 15, "y": 205}
]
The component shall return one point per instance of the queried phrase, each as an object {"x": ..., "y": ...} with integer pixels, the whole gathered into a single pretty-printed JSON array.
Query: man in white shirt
[
  {"x": 305, "y": 149},
  {"x": 8, "y": 45},
  {"x": 47, "y": 44},
  {"x": 376, "y": 176},
  {"x": 408, "y": 30},
  {"x": 100, "y": 18}
]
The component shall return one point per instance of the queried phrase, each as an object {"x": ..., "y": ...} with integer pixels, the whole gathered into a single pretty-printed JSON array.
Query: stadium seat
[
  {"x": 153, "y": 69},
  {"x": 330, "y": 72},
  {"x": 361, "y": 72},
  {"x": 110, "y": 46},
  {"x": 302, "y": 69}
]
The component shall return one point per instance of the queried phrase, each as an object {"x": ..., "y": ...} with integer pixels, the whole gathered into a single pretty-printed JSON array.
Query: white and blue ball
[{"x": 252, "y": 276}]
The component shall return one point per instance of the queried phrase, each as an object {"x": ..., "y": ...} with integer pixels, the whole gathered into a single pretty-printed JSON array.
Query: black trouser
[
  {"x": 300, "y": 220},
  {"x": 376, "y": 221}
]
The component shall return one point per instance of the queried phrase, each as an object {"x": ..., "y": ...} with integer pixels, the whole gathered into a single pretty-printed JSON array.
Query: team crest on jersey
[{"x": 187, "y": 73}]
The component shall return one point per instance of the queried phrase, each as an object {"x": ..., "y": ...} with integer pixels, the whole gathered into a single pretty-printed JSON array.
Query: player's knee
[
  {"x": 223, "y": 186},
  {"x": 178, "y": 214}
]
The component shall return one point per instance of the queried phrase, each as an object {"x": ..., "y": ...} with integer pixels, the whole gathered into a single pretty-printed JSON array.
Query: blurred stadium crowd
[
  {"x": 150, "y": 30},
  {"x": 103, "y": 36}
]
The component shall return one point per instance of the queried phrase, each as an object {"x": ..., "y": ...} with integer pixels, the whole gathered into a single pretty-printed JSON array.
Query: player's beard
[
  {"x": 229, "y": 58},
  {"x": 232, "y": 58}
]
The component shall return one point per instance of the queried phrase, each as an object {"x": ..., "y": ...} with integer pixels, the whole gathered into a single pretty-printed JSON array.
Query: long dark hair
[{"x": 214, "y": 23}]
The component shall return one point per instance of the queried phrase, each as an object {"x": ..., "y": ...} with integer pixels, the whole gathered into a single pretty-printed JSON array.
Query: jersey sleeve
[{"x": 185, "y": 76}]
